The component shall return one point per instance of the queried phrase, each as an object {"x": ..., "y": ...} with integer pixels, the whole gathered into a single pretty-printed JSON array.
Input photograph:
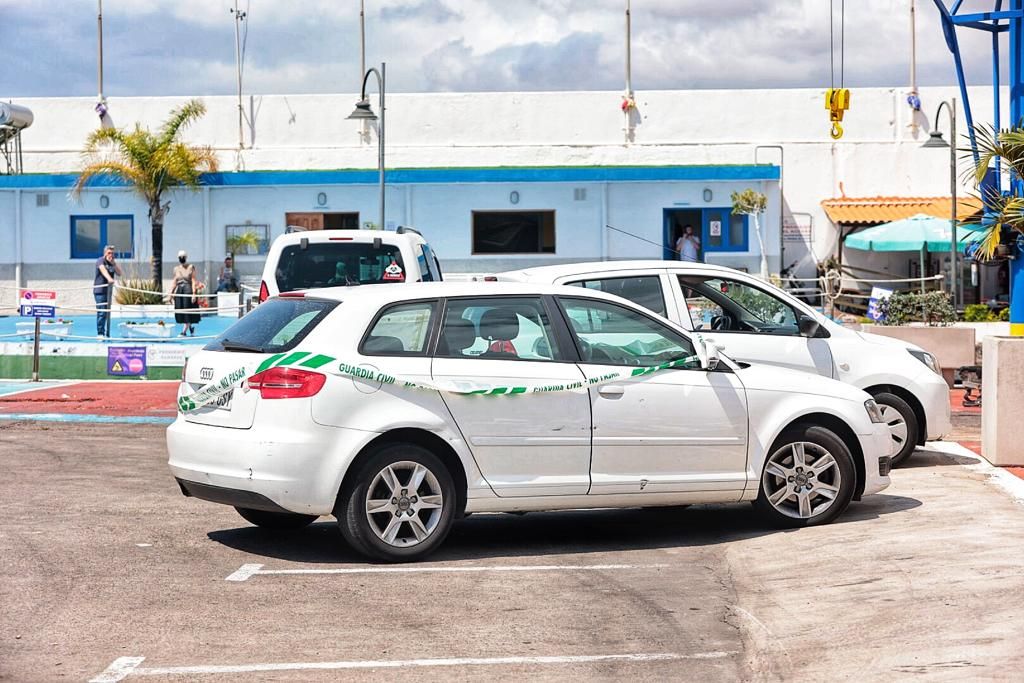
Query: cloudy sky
[{"x": 186, "y": 47}]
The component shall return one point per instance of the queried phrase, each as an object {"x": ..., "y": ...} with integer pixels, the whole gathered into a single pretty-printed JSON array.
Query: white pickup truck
[{"x": 753, "y": 321}]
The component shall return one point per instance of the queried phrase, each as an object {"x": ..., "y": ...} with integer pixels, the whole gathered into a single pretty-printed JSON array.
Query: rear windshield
[
  {"x": 337, "y": 264},
  {"x": 274, "y": 326}
]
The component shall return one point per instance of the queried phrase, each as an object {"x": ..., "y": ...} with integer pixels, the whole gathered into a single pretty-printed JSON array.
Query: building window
[
  {"x": 513, "y": 232},
  {"x": 247, "y": 240},
  {"x": 90, "y": 234},
  {"x": 725, "y": 231}
]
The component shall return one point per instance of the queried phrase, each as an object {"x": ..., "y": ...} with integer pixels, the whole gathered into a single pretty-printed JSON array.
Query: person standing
[
  {"x": 688, "y": 245},
  {"x": 183, "y": 292},
  {"x": 103, "y": 289}
]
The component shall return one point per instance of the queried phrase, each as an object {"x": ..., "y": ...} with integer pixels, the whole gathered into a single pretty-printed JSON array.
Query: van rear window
[
  {"x": 274, "y": 326},
  {"x": 338, "y": 264}
]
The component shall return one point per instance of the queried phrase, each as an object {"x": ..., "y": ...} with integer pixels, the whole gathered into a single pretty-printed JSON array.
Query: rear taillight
[
  {"x": 287, "y": 383},
  {"x": 292, "y": 295},
  {"x": 264, "y": 292}
]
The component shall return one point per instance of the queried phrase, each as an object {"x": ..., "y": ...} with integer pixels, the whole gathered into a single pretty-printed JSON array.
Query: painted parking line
[
  {"x": 124, "y": 667},
  {"x": 247, "y": 571},
  {"x": 77, "y": 417}
]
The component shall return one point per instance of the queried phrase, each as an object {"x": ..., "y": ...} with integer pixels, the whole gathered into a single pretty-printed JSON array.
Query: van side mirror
[{"x": 808, "y": 326}]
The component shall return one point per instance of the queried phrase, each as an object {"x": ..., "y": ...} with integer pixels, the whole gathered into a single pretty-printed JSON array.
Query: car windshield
[
  {"x": 338, "y": 264},
  {"x": 274, "y": 326}
]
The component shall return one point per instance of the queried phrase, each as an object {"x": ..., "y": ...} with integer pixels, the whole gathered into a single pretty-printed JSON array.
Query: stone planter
[
  {"x": 951, "y": 346},
  {"x": 1002, "y": 391}
]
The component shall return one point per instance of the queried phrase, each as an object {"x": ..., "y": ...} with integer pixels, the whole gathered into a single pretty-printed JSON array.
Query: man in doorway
[{"x": 688, "y": 245}]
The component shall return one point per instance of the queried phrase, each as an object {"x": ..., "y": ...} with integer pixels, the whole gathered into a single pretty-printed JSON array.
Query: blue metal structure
[{"x": 996, "y": 22}]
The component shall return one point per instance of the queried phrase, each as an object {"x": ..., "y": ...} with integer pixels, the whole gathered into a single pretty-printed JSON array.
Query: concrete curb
[{"x": 998, "y": 476}]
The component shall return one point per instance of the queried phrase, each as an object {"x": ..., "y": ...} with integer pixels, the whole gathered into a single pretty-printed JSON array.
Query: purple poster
[{"x": 126, "y": 361}]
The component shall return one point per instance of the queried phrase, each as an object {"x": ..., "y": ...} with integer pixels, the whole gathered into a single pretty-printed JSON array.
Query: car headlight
[
  {"x": 926, "y": 358},
  {"x": 874, "y": 412}
]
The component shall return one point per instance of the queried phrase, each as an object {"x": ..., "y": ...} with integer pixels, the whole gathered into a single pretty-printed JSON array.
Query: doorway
[
  {"x": 322, "y": 221},
  {"x": 676, "y": 222}
]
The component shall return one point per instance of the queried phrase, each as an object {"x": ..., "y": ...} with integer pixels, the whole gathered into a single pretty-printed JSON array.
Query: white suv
[
  {"x": 313, "y": 259},
  {"x": 382, "y": 409},
  {"x": 756, "y": 322}
]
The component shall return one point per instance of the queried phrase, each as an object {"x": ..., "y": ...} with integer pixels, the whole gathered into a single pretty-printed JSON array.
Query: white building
[{"x": 494, "y": 180}]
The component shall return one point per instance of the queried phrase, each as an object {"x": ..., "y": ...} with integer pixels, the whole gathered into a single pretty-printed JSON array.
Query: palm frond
[
  {"x": 122, "y": 171},
  {"x": 180, "y": 118}
]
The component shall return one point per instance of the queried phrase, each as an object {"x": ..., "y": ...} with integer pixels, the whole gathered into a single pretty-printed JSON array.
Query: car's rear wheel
[
  {"x": 808, "y": 478},
  {"x": 901, "y": 420},
  {"x": 400, "y": 505},
  {"x": 276, "y": 521}
]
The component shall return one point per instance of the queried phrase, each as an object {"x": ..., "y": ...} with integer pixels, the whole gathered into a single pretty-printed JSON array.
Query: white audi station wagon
[{"x": 401, "y": 409}]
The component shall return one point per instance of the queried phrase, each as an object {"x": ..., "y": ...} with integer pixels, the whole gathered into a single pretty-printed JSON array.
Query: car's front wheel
[
  {"x": 808, "y": 478},
  {"x": 276, "y": 521},
  {"x": 901, "y": 420},
  {"x": 400, "y": 505}
]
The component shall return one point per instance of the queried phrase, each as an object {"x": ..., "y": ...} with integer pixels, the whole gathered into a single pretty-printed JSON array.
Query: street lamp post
[
  {"x": 363, "y": 112},
  {"x": 935, "y": 141}
]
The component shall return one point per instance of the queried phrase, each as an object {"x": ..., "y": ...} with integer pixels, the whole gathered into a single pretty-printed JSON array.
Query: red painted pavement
[
  {"x": 956, "y": 397},
  {"x": 130, "y": 398}
]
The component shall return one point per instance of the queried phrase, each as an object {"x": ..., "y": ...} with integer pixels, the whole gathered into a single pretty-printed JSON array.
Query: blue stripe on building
[{"x": 403, "y": 176}]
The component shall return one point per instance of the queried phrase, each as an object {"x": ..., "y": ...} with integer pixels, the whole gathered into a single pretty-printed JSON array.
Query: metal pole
[
  {"x": 99, "y": 64},
  {"x": 629, "y": 53},
  {"x": 35, "y": 353},
  {"x": 1016, "y": 187},
  {"x": 380, "y": 142},
  {"x": 954, "y": 245},
  {"x": 362, "y": 39},
  {"x": 238, "y": 74}
]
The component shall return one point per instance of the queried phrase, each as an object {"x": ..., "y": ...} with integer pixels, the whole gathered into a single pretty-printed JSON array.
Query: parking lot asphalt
[{"x": 108, "y": 573}]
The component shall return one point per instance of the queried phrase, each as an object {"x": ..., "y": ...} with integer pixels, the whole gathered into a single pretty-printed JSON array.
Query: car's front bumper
[
  {"x": 877, "y": 448},
  {"x": 934, "y": 396}
]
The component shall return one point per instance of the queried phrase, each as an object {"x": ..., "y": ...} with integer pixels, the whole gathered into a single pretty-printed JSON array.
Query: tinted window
[
  {"x": 433, "y": 267},
  {"x": 513, "y": 232},
  {"x": 274, "y": 326},
  {"x": 732, "y": 306},
  {"x": 401, "y": 330},
  {"x": 614, "y": 335},
  {"x": 508, "y": 328},
  {"x": 644, "y": 291},
  {"x": 336, "y": 264}
]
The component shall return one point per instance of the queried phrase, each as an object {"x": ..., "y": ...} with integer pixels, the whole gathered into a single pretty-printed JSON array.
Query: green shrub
[
  {"x": 1004, "y": 315},
  {"x": 978, "y": 313},
  {"x": 152, "y": 296},
  {"x": 934, "y": 308}
]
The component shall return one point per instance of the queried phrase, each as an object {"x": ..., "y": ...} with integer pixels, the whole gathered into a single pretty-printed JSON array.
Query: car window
[
  {"x": 644, "y": 290},
  {"x": 274, "y": 326},
  {"x": 512, "y": 328},
  {"x": 610, "y": 334},
  {"x": 338, "y": 264},
  {"x": 727, "y": 305},
  {"x": 429, "y": 265},
  {"x": 402, "y": 329}
]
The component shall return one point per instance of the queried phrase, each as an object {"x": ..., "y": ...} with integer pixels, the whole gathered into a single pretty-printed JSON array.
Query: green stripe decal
[
  {"x": 288, "y": 360},
  {"x": 317, "y": 361},
  {"x": 268, "y": 362}
]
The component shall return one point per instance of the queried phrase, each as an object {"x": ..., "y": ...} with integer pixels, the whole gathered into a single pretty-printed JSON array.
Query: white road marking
[
  {"x": 128, "y": 666},
  {"x": 246, "y": 571},
  {"x": 144, "y": 545},
  {"x": 121, "y": 668}
]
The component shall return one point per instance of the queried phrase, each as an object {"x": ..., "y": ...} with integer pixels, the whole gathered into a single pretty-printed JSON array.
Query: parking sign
[{"x": 38, "y": 303}]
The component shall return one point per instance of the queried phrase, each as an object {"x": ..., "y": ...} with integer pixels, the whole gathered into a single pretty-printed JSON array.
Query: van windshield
[{"x": 338, "y": 264}]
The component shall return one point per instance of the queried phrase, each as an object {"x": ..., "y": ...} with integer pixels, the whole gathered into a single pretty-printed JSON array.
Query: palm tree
[
  {"x": 152, "y": 163},
  {"x": 1007, "y": 211}
]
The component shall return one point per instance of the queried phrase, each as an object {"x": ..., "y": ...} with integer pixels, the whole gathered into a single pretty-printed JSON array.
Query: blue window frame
[
  {"x": 89, "y": 234},
  {"x": 722, "y": 230}
]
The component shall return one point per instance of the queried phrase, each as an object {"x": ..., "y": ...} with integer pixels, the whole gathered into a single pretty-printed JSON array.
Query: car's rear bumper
[
  {"x": 297, "y": 469},
  {"x": 225, "y": 496}
]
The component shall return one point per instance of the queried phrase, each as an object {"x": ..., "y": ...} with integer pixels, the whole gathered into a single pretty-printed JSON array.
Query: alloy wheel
[
  {"x": 404, "y": 503},
  {"x": 802, "y": 480}
]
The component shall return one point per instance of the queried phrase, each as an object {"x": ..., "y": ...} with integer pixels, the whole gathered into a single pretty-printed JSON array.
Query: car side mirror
[
  {"x": 808, "y": 326},
  {"x": 707, "y": 353}
]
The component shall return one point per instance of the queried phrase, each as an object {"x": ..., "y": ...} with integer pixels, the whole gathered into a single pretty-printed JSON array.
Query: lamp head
[
  {"x": 362, "y": 112},
  {"x": 935, "y": 140}
]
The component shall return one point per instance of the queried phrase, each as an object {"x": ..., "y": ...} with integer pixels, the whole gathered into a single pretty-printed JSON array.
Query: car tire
[
  {"x": 276, "y": 521},
  {"x": 409, "y": 523},
  {"x": 808, "y": 478},
  {"x": 902, "y": 423}
]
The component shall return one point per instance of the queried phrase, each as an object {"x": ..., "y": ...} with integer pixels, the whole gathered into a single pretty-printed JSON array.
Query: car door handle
[{"x": 611, "y": 390}]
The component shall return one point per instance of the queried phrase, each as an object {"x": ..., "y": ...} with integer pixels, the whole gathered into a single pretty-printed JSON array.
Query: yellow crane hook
[{"x": 837, "y": 101}]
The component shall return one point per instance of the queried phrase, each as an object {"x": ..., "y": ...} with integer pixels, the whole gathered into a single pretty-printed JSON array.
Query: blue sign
[{"x": 37, "y": 311}]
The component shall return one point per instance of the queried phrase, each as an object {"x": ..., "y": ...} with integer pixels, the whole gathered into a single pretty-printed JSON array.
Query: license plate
[{"x": 222, "y": 402}]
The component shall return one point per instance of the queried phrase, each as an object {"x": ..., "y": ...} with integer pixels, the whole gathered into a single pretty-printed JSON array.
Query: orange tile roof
[{"x": 861, "y": 210}]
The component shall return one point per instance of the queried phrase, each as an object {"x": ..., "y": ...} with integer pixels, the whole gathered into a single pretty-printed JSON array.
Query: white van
[
  {"x": 753, "y": 321},
  {"x": 313, "y": 259}
]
